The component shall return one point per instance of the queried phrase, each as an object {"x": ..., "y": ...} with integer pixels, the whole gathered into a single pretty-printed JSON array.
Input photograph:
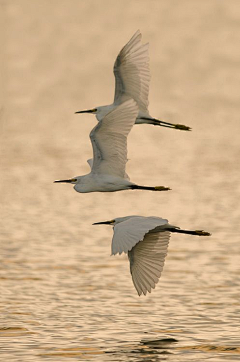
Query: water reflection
[{"x": 151, "y": 350}]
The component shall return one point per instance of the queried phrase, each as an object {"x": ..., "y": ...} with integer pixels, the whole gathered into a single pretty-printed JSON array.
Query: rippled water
[{"x": 62, "y": 296}]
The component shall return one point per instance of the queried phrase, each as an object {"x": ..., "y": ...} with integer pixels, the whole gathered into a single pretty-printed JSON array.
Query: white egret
[
  {"x": 145, "y": 240},
  {"x": 109, "y": 142},
  {"x": 132, "y": 78}
]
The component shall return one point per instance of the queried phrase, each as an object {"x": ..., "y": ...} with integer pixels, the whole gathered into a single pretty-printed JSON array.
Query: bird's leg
[
  {"x": 191, "y": 232},
  {"x": 157, "y": 122},
  {"x": 151, "y": 188}
]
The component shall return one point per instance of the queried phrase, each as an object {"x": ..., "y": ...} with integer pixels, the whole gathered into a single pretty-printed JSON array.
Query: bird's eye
[{"x": 74, "y": 180}]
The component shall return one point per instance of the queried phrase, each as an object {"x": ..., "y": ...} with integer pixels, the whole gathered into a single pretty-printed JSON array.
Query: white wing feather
[
  {"x": 147, "y": 260},
  {"x": 90, "y": 162},
  {"x": 132, "y": 74},
  {"x": 128, "y": 233},
  {"x": 109, "y": 140}
]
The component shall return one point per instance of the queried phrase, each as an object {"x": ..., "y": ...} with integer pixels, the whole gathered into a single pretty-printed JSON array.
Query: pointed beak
[
  {"x": 68, "y": 181},
  {"x": 104, "y": 222},
  {"x": 87, "y": 111}
]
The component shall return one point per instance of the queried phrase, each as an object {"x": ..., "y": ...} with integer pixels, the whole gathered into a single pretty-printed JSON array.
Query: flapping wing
[
  {"x": 90, "y": 162},
  {"x": 109, "y": 140},
  {"x": 132, "y": 74},
  {"x": 132, "y": 231},
  {"x": 147, "y": 260}
]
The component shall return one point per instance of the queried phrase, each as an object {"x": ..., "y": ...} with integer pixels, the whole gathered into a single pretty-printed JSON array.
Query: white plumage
[
  {"x": 109, "y": 142},
  {"x": 132, "y": 79},
  {"x": 146, "y": 249},
  {"x": 145, "y": 240},
  {"x": 132, "y": 73},
  {"x": 132, "y": 230},
  {"x": 147, "y": 260}
]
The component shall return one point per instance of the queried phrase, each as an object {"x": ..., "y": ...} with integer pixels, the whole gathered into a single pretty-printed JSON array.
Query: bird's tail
[
  {"x": 151, "y": 188},
  {"x": 158, "y": 122},
  {"x": 191, "y": 232}
]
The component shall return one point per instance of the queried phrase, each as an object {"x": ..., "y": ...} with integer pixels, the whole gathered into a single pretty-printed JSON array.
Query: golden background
[{"x": 63, "y": 296}]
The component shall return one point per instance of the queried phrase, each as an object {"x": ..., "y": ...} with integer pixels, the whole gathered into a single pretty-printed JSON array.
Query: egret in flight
[
  {"x": 132, "y": 78},
  {"x": 145, "y": 240},
  {"x": 109, "y": 142}
]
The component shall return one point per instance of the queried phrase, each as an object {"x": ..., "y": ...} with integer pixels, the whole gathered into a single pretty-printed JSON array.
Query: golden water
[{"x": 62, "y": 296}]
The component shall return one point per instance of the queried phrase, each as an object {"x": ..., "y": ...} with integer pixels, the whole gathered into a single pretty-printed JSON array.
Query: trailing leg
[
  {"x": 151, "y": 188},
  {"x": 191, "y": 232},
  {"x": 157, "y": 122}
]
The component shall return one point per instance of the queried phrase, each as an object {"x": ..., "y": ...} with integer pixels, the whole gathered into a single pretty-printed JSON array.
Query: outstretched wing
[
  {"x": 90, "y": 162},
  {"x": 109, "y": 140},
  {"x": 147, "y": 260},
  {"x": 132, "y": 74},
  {"x": 129, "y": 233}
]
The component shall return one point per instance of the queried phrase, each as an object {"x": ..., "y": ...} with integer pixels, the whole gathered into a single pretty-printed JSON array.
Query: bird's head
[
  {"x": 73, "y": 180},
  {"x": 100, "y": 111}
]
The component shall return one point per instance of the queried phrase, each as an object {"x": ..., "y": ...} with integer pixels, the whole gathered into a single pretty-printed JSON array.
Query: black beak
[
  {"x": 87, "y": 111},
  {"x": 68, "y": 181},
  {"x": 103, "y": 222}
]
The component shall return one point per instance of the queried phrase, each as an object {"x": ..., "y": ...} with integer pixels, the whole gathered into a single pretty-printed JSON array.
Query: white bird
[
  {"x": 109, "y": 142},
  {"x": 132, "y": 78},
  {"x": 145, "y": 240}
]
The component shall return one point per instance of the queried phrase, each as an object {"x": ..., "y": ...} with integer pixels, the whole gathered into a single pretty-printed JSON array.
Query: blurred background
[{"x": 63, "y": 296}]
